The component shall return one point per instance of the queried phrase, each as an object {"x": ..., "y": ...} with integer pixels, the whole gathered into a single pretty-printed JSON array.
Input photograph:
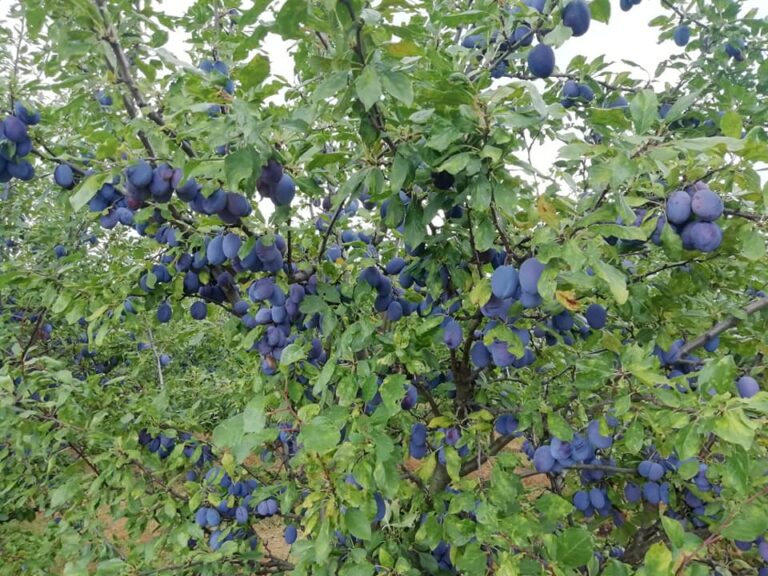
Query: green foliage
[{"x": 408, "y": 130}]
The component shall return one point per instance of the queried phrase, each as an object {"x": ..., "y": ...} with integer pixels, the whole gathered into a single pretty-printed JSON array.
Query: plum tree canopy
[{"x": 348, "y": 320}]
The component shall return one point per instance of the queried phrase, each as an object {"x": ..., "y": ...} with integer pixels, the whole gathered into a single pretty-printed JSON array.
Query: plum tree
[{"x": 389, "y": 286}]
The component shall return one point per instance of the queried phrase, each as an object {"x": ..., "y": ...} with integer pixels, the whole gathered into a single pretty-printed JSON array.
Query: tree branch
[
  {"x": 684, "y": 15},
  {"x": 32, "y": 337},
  {"x": 330, "y": 230},
  {"x": 157, "y": 357},
  {"x": 496, "y": 446},
  {"x": 374, "y": 114},
  {"x": 125, "y": 76},
  {"x": 722, "y": 326}
]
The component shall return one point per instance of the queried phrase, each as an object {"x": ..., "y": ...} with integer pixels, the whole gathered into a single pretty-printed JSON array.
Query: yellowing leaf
[
  {"x": 568, "y": 299},
  {"x": 547, "y": 212}
]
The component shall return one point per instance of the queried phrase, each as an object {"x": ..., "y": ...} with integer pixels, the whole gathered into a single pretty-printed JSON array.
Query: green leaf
[
  {"x": 658, "y": 560},
  {"x": 480, "y": 193},
  {"x": 87, "y": 190},
  {"x": 731, "y": 124},
  {"x": 331, "y": 86},
  {"x": 398, "y": 85},
  {"x": 617, "y": 282},
  {"x": 616, "y": 568},
  {"x": 485, "y": 232},
  {"x": 718, "y": 373},
  {"x": 473, "y": 559},
  {"x": 558, "y": 36},
  {"x": 559, "y": 428},
  {"x": 358, "y": 523},
  {"x": 574, "y": 547},
  {"x": 644, "y": 108},
  {"x": 681, "y": 105},
  {"x": 392, "y": 390},
  {"x": 400, "y": 169},
  {"x": 750, "y": 522},
  {"x": 752, "y": 245},
  {"x": 688, "y": 469},
  {"x": 601, "y": 10},
  {"x": 456, "y": 163},
  {"x": 254, "y": 416},
  {"x": 368, "y": 87},
  {"x": 674, "y": 531},
  {"x": 292, "y": 353},
  {"x": 289, "y": 19},
  {"x": 634, "y": 437},
  {"x": 323, "y": 543},
  {"x": 229, "y": 432},
  {"x": 736, "y": 472},
  {"x": 734, "y": 427},
  {"x": 242, "y": 164},
  {"x": 320, "y": 435},
  {"x": 687, "y": 442},
  {"x": 254, "y": 73},
  {"x": 62, "y": 494}
]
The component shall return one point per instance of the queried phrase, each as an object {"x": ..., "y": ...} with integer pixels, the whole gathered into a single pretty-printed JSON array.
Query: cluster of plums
[
  {"x": 275, "y": 184},
  {"x": 541, "y": 58},
  {"x": 419, "y": 446},
  {"x": 236, "y": 498},
  {"x": 692, "y": 214},
  {"x": 575, "y": 92},
  {"x": 219, "y": 72},
  {"x": 559, "y": 455},
  {"x": 279, "y": 313},
  {"x": 15, "y": 144},
  {"x": 236, "y": 505}
]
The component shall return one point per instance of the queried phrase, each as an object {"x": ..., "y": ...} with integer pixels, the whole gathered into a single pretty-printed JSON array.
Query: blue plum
[
  {"x": 682, "y": 35},
  {"x": 541, "y": 61},
  {"x": 596, "y": 316},
  {"x": 678, "y": 208},
  {"x": 706, "y": 205},
  {"x": 504, "y": 282},
  {"x": 747, "y": 386},
  {"x": 577, "y": 17}
]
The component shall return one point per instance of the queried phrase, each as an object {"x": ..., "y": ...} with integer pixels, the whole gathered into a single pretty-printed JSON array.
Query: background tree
[{"x": 347, "y": 313}]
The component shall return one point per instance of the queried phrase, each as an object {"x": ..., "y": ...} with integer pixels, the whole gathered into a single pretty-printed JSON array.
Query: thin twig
[
  {"x": 157, "y": 358},
  {"x": 330, "y": 230},
  {"x": 722, "y": 326}
]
